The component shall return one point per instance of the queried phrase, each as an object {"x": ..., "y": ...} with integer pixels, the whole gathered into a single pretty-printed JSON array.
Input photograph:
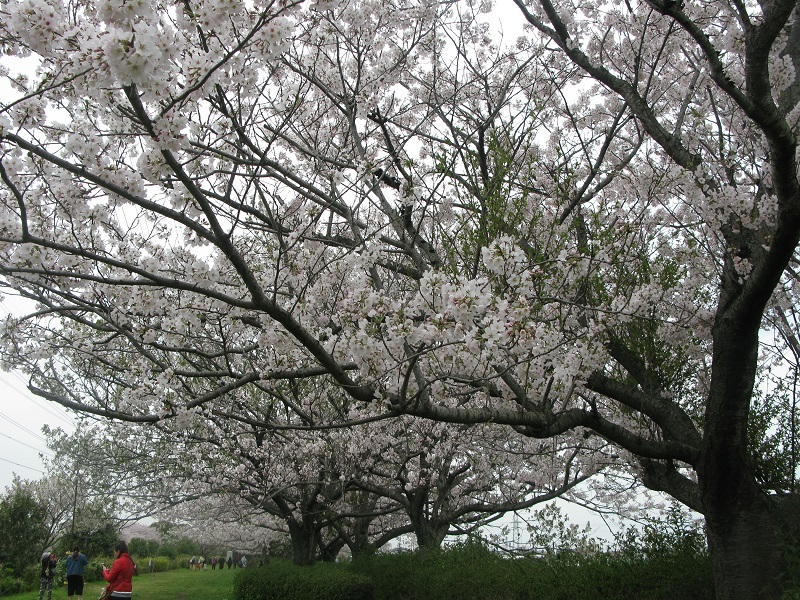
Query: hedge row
[
  {"x": 471, "y": 572},
  {"x": 281, "y": 580}
]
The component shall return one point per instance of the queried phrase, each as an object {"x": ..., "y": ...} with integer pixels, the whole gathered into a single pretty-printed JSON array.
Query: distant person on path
[
  {"x": 213, "y": 563},
  {"x": 243, "y": 561},
  {"x": 75, "y": 564},
  {"x": 46, "y": 576},
  {"x": 221, "y": 562},
  {"x": 120, "y": 574},
  {"x": 192, "y": 561},
  {"x": 230, "y": 562}
]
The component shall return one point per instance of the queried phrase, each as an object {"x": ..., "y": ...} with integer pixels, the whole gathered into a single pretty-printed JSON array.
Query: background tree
[
  {"x": 24, "y": 533},
  {"x": 454, "y": 480},
  {"x": 142, "y": 547}
]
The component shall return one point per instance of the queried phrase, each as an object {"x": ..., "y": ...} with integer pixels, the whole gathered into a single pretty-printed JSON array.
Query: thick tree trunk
[
  {"x": 361, "y": 549},
  {"x": 747, "y": 548},
  {"x": 329, "y": 552},
  {"x": 429, "y": 531},
  {"x": 360, "y": 543},
  {"x": 305, "y": 540},
  {"x": 429, "y": 535},
  {"x": 745, "y": 526}
]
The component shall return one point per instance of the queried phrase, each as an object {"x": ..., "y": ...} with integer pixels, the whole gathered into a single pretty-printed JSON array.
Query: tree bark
[
  {"x": 330, "y": 551},
  {"x": 747, "y": 529},
  {"x": 428, "y": 531},
  {"x": 305, "y": 539},
  {"x": 429, "y": 534},
  {"x": 747, "y": 548}
]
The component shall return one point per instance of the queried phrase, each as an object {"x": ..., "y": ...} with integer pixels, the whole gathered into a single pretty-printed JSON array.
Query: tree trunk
[
  {"x": 360, "y": 542},
  {"x": 361, "y": 549},
  {"x": 429, "y": 535},
  {"x": 747, "y": 548},
  {"x": 747, "y": 529},
  {"x": 329, "y": 551},
  {"x": 305, "y": 539}
]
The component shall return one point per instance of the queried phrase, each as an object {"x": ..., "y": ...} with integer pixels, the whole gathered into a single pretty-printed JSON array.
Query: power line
[
  {"x": 49, "y": 407},
  {"x": 27, "y": 445},
  {"x": 53, "y": 409},
  {"x": 19, "y": 465},
  {"x": 21, "y": 426}
]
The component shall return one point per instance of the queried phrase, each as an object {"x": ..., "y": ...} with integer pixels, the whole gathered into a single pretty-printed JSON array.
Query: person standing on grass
[
  {"x": 120, "y": 574},
  {"x": 48, "y": 570},
  {"x": 75, "y": 565}
]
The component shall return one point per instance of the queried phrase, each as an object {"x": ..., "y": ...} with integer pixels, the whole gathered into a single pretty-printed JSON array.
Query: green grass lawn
[{"x": 181, "y": 584}]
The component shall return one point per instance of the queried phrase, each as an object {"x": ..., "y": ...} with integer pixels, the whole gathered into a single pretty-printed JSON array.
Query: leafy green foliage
[
  {"x": 675, "y": 534},
  {"x": 467, "y": 571},
  {"x": 472, "y": 572},
  {"x": 142, "y": 547},
  {"x": 92, "y": 542},
  {"x": 281, "y": 580},
  {"x": 23, "y": 532},
  {"x": 772, "y": 434},
  {"x": 9, "y": 583},
  {"x": 550, "y": 532}
]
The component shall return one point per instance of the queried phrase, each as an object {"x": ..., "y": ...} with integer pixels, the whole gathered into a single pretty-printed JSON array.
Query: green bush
[
  {"x": 472, "y": 572},
  {"x": 615, "y": 577},
  {"x": 159, "y": 564},
  {"x": 30, "y": 576},
  {"x": 9, "y": 584},
  {"x": 281, "y": 580},
  {"x": 468, "y": 571}
]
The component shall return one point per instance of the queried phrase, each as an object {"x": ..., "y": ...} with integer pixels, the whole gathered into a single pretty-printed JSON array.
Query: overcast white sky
[{"x": 22, "y": 416}]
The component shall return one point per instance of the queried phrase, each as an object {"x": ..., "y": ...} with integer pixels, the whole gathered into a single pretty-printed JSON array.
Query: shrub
[
  {"x": 468, "y": 571},
  {"x": 9, "y": 584},
  {"x": 281, "y": 580},
  {"x": 30, "y": 576},
  {"x": 472, "y": 572},
  {"x": 159, "y": 564}
]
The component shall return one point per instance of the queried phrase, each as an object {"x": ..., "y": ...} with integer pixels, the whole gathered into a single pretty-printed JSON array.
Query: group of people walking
[
  {"x": 118, "y": 577},
  {"x": 199, "y": 564}
]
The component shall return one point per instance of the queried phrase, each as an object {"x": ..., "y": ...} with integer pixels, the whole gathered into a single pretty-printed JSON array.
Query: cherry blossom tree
[
  {"x": 456, "y": 479},
  {"x": 713, "y": 89},
  {"x": 325, "y": 489},
  {"x": 223, "y": 522},
  {"x": 582, "y": 236}
]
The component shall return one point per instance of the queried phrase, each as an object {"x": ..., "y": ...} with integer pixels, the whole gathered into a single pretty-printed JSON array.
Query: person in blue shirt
[{"x": 75, "y": 564}]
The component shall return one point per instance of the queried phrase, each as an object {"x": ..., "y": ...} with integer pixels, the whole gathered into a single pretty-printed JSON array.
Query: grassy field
[{"x": 182, "y": 584}]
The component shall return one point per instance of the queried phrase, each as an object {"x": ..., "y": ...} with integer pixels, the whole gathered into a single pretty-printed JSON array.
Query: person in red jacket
[{"x": 120, "y": 574}]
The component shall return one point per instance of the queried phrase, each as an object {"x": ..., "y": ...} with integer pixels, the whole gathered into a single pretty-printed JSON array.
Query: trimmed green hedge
[
  {"x": 281, "y": 580},
  {"x": 465, "y": 572},
  {"x": 472, "y": 572}
]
